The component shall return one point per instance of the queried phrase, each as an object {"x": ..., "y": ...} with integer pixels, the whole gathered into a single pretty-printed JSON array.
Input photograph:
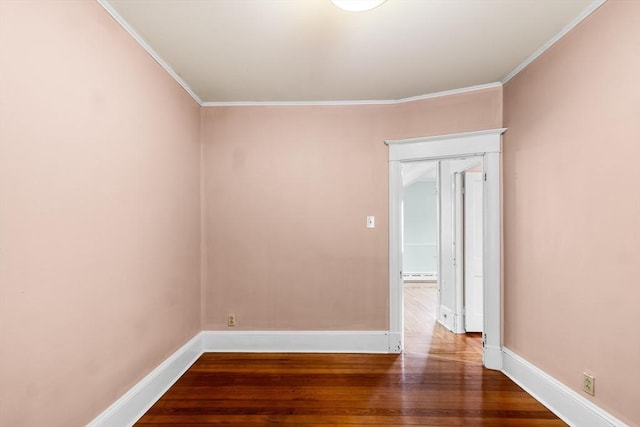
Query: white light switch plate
[{"x": 371, "y": 222}]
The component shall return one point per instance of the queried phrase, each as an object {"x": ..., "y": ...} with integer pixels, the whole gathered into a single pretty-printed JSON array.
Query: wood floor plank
[{"x": 438, "y": 381}]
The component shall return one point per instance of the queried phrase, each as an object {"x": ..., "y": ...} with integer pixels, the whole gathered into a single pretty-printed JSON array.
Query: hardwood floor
[
  {"x": 423, "y": 335},
  {"x": 438, "y": 381}
]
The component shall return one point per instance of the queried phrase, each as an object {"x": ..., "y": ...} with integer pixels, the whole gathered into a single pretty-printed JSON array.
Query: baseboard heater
[{"x": 420, "y": 277}]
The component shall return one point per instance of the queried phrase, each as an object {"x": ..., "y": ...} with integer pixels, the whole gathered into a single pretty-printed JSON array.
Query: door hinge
[{"x": 485, "y": 176}]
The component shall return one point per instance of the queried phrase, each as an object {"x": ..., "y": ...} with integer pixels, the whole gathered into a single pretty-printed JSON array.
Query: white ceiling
[
  {"x": 309, "y": 50},
  {"x": 413, "y": 172}
]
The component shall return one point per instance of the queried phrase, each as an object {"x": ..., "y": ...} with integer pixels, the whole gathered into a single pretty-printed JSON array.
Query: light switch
[{"x": 371, "y": 222}]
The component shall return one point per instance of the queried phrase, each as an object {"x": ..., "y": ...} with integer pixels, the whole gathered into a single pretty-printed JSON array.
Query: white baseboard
[
  {"x": 395, "y": 342},
  {"x": 572, "y": 408},
  {"x": 492, "y": 357},
  {"x": 446, "y": 318},
  {"x": 134, "y": 403},
  {"x": 296, "y": 341}
]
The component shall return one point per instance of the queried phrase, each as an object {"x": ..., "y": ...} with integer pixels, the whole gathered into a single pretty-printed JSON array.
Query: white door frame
[{"x": 483, "y": 143}]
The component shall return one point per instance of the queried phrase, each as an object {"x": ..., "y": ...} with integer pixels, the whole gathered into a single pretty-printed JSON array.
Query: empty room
[{"x": 211, "y": 212}]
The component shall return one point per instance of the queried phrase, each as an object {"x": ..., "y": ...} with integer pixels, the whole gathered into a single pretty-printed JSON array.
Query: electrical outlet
[
  {"x": 231, "y": 319},
  {"x": 371, "y": 222},
  {"x": 588, "y": 384}
]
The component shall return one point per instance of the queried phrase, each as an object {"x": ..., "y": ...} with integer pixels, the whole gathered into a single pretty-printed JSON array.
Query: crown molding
[
  {"x": 354, "y": 102},
  {"x": 578, "y": 19},
  {"x": 141, "y": 41},
  {"x": 137, "y": 37}
]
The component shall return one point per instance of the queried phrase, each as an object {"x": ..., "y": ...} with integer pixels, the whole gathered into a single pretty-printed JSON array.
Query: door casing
[{"x": 483, "y": 143}]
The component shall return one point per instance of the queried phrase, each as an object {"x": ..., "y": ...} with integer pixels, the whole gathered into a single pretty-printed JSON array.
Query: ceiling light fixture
[{"x": 357, "y": 5}]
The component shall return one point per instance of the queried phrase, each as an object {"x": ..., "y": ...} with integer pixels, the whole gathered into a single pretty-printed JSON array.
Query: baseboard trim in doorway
[
  {"x": 446, "y": 318},
  {"x": 296, "y": 341},
  {"x": 134, "y": 403},
  {"x": 566, "y": 403},
  {"x": 492, "y": 357}
]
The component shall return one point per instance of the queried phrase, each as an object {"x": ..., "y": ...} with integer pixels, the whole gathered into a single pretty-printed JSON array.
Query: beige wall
[
  {"x": 287, "y": 192},
  {"x": 572, "y": 259},
  {"x": 99, "y": 213}
]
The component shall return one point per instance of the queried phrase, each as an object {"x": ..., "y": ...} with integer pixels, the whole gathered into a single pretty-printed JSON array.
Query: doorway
[
  {"x": 420, "y": 263},
  {"x": 461, "y": 223},
  {"x": 442, "y": 242},
  {"x": 484, "y": 146},
  {"x": 420, "y": 221}
]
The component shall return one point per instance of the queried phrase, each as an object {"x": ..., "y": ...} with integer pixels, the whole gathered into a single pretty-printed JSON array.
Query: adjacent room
[{"x": 202, "y": 206}]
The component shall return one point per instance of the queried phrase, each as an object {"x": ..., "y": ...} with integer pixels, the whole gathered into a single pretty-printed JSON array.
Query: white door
[
  {"x": 451, "y": 271},
  {"x": 473, "y": 274}
]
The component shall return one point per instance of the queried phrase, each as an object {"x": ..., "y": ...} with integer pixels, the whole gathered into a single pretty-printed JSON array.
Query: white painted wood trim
[
  {"x": 442, "y": 146},
  {"x": 483, "y": 143},
  {"x": 395, "y": 342},
  {"x": 563, "y": 401},
  {"x": 354, "y": 102},
  {"x": 447, "y": 137},
  {"x": 448, "y": 92},
  {"x": 446, "y": 318},
  {"x": 142, "y": 42},
  {"x": 457, "y": 251},
  {"x": 492, "y": 257},
  {"x": 296, "y": 341},
  {"x": 570, "y": 26},
  {"x": 134, "y": 403},
  {"x": 492, "y": 357},
  {"x": 438, "y": 238},
  {"x": 396, "y": 285},
  {"x": 560, "y": 399}
]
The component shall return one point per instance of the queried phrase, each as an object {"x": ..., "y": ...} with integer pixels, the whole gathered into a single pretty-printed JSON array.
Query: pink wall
[
  {"x": 287, "y": 192},
  {"x": 99, "y": 217},
  {"x": 572, "y": 260}
]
